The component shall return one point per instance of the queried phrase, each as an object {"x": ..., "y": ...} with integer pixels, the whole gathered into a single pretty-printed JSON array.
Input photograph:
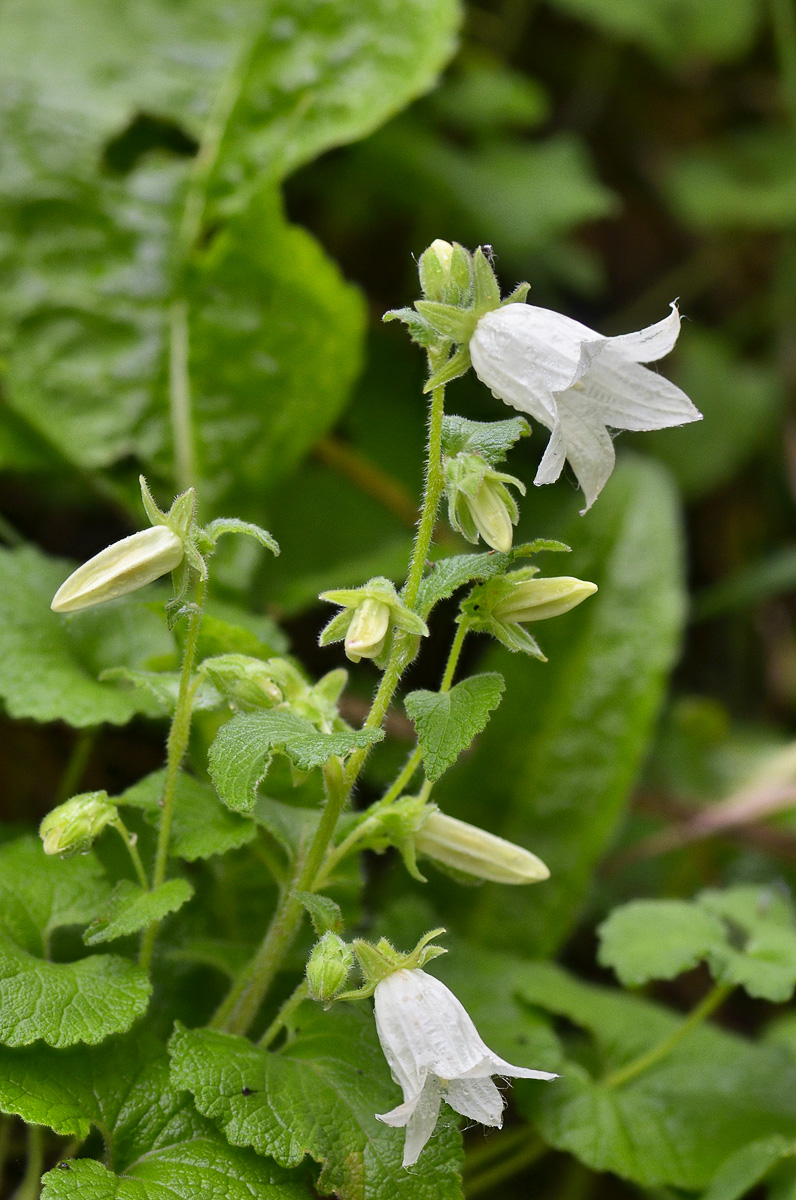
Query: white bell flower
[
  {"x": 578, "y": 384},
  {"x": 435, "y": 1053}
]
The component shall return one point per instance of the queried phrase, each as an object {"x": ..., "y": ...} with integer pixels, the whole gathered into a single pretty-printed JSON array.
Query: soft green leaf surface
[
  {"x": 241, "y": 753},
  {"x": 202, "y": 826},
  {"x": 64, "y": 1003},
  {"x": 324, "y": 912},
  {"x": 447, "y": 722},
  {"x": 554, "y": 769},
  {"x": 60, "y": 1003},
  {"x": 159, "y": 1147},
  {"x": 491, "y": 439},
  {"x": 747, "y": 1167},
  {"x": 49, "y": 664},
  {"x": 759, "y": 952},
  {"x": 447, "y": 575},
  {"x": 675, "y": 1123},
  {"x": 317, "y": 1097},
  {"x": 658, "y": 939},
  {"x": 130, "y": 909}
]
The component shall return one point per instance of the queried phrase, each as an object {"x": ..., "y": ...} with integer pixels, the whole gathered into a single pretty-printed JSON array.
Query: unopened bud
[
  {"x": 247, "y": 683},
  {"x": 368, "y": 630},
  {"x": 539, "y": 599},
  {"x": 72, "y": 827},
  {"x": 491, "y": 515},
  {"x": 328, "y": 967},
  {"x": 123, "y": 567},
  {"x": 475, "y": 852},
  {"x": 434, "y": 269}
]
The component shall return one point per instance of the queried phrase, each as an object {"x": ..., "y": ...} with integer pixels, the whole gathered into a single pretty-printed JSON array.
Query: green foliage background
[{"x": 252, "y": 180}]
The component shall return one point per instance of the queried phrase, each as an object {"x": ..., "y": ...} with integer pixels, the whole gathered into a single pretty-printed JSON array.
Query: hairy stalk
[
  {"x": 176, "y": 747},
  {"x": 78, "y": 761},
  {"x": 130, "y": 841},
  {"x": 241, "y": 1006},
  {"x": 30, "y": 1187},
  {"x": 716, "y": 996},
  {"x": 507, "y": 1167},
  {"x": 296, "y": 997},
  {"x": 243, "y": 1003}
]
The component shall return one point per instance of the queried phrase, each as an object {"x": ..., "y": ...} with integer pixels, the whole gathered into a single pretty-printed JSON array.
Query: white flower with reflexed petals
[
  {"x": 435, "y": 1053},
  {"x": 578, "y": 384}
]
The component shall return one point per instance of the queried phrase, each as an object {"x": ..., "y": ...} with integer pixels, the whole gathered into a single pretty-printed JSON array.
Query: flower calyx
[
  {"x": 72, "y": 827},
  {"x": 369, "y": 617},
  {"x": 249, "y": 684},
  {"x": 479, "y": 502},
  {"x": 378, "y": 961},
  {"x": 501, "y": 606},
  {"x": 459, "y": 288},
  {"x": 328, "y": 967}
]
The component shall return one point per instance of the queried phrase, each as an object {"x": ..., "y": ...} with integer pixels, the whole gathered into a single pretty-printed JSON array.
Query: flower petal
[
  {"x": 495, "y": 1065},
  {"x": 587, "y": 444},
  {"x": 478, "y": 1099},
  {"x": 627, "y": 396},
  {"x": 419, "y": 1115},
  {"x": 650, "y": 344}
]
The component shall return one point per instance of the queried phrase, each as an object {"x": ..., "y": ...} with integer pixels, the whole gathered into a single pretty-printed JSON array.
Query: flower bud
[
  {"x": 368, "y": 630},
  {"x": 123, "y": 567},
  {"x": 474, "y": 851},
  {"x": 539, "y": 599},
  {"x": 434, "y": 268},
  {"x": 328, "y": 967},
  {"x": 479, "y": 502},
  {"x": 491, "y": 515},
  {"x": 72, "y": 827}
]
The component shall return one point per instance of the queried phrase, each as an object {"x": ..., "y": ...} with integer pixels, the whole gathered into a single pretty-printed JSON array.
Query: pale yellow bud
[
  {"x": 539, "y": 599},
  {"x": 72, "y": 827},
  {"x": 475, "y": 852},
  {"x": 123, "y": 567},
  {"x": 443, "y": 251},
  {"x": 491, "y": 515},
  {"x": 368, "y": 630}
]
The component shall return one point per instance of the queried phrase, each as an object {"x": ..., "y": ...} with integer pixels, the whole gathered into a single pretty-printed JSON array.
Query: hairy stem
[
  {"x": 130, "y": 840},
  {"x": 716, "y": 996},
  {"x": 506, "y": 1167},
  {"x": 76, "y": 766},
  {"x": 241, "y": 1006},
  {"x": 30, "y": 1187},
  {"x": 176, "y": 747},
  {"x": 296, "y": 997}
]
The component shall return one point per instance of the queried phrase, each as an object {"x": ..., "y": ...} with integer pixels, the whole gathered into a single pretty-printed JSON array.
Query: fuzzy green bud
[
  {"x": 328, "y": 967},
  {"x": 479, "y": 502},
  {"x": 540, "y": 599},
  {"x": 368, "y": 630},
  {"x": 475, "y": 852},
  {"x": 72, "y": 827}
]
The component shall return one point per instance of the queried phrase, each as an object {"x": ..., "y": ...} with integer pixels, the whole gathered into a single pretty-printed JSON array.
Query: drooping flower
[
  {"x": 578, "y": 384},
  {"x": 435, "y": 1053}
]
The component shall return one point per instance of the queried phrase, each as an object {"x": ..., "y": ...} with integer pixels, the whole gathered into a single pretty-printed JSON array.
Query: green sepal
[
  {"x": 457, "y": 324},
  {"x": 222, "y": 525},
  {"x": 518, "y": 296},
  {"x": 419, "y": 330},
  {"x": 155, "y": 515},
  {"x": 485, "y": 285},
  {"x": 458, "y": 364},
  {"x": 379, "y": 961}
]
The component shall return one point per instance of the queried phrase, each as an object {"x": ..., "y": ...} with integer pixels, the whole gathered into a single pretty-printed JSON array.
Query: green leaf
[
  {"x": 130, "y": 909},
  {"x": 759, "y": 950},
  {"x": 748, "y": 1167},
  {"x": 556, "y": 766},
  {"x": 319, "y": 1097},
  {"x": 324, "y": 912},
  {"x": 64, "y": 1002},
  {"x": 491, "y": 439},
  {"x": 239, "y": 757},
  {"x": 202, "y": 826},
  {"x": 162, "y": 688},
  {"x": 447, "y": 722},
  {"x": 673, "y": 30},
  {"x": 657, "y": 939},
  {"x": 675, "y": 1123},
  {"x": 447, "y": 575},
  {"x": 49, "y": 664},
  {"x": 157, "y": 1146}
]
